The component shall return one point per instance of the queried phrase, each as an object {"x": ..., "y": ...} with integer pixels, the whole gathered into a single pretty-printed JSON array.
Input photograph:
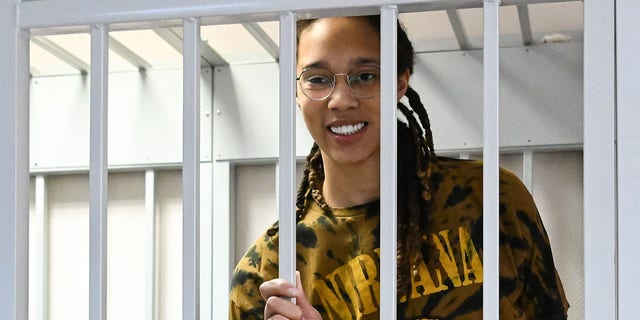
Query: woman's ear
[{"x": 403, "y": 83}]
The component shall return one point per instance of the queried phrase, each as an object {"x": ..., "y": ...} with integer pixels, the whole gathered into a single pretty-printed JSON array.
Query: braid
[
  {"x": 302, "y": 190},
  {"x": 418, "y": 107},
  {"x": 304, "y": 184},
  {"x": 415, "y": 213}
]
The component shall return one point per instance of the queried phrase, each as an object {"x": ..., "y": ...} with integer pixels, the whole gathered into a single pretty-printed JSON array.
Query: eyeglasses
[{"x": 318, "y": 83}]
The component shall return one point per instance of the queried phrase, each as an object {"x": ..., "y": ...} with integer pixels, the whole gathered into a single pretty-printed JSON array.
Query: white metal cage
[{"x": 611, "y": 171}]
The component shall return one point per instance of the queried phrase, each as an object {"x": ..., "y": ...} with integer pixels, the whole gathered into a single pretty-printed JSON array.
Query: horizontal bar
[
  {"x": 38, "y": 14},
  {"x": 388, "y": 163}
]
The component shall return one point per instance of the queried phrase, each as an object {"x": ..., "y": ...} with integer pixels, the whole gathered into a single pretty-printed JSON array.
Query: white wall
[{"x": 68, "y": 254}]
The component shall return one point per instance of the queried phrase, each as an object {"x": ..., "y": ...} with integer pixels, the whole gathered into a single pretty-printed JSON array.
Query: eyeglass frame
[{"x": 335, "y": 81}]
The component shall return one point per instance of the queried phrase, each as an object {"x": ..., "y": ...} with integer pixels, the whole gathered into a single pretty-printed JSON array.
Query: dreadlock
[{"x": 415, "y": 157}]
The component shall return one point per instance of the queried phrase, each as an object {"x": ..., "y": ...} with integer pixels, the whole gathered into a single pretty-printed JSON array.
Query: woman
[{"x": 439, "y": 205}]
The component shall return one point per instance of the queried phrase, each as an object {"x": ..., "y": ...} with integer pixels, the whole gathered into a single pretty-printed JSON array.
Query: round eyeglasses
[{"x": 318, "y": 83}]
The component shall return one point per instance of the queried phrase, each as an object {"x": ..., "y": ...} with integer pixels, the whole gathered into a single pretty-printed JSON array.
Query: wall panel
[
  {"x": 541, "y": 101},
  {"x": 143, "y": 114}
]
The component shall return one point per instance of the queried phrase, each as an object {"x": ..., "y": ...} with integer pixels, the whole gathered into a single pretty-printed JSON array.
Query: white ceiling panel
[
  {"x": 151, "y": 47},
  {"x": 234, "y": 44}
]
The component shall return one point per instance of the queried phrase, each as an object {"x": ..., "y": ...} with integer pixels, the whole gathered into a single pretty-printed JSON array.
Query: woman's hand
[{"x": 277, "y": 294}]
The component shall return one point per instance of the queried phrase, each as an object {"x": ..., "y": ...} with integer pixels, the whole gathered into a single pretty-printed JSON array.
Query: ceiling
[{"x": 257, "y": 42}]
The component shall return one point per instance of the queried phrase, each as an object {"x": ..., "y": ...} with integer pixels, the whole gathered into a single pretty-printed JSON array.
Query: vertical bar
[
  {"x": 150, "y": 223},
  {"x": 527, "y": 169},
  {"x": 14, "y": 161},
  {"x": 600, "y": 212},
  {"x": 490, "y": 185},
  {"x": 206, "y": 244},
  {"x": 41, "y": 238},
  {"x": 287, "y": 147},
  {"x": 98, "y": 173},
  {"x": 191, "y": 171},
  {"x": 223, "y": 235},
  {"x": 388, "y": 162},
  {"x": 628, "y": 95}
]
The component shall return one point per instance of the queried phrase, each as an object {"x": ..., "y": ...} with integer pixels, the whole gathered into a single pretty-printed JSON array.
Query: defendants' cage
[{"x": 610, "y": 173}]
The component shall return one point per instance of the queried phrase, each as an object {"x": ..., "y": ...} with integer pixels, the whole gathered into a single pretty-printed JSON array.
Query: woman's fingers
[
  {"x": 277, "y": 294},
  {"x": 279, "y": 288},
  {"x": 308, "y": 311},
  {"x": 281, "y": 308}
]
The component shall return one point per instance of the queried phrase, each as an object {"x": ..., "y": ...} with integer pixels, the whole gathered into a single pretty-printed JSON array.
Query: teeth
[{"x": 347, "y": 130}]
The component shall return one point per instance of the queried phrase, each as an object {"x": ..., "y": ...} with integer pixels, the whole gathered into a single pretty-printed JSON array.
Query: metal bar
[
  {"x": 458, "y": 29},
  {"x": 34, "y": 71},
  {"x": 628, "y": 95},
  {"x": 287, "y": 147},
  {"x": 98, "y": 173},
  {"x": 61, "y": 53},
  {"x": 525, "y": 24},
  {"x": 173, "y": 36},
  {"x": 600, "y": 212},
  {"x": 388, "y": 162},
  {"x": 490, "y": 182},
  {"x": 191, "y": 172},
  {"x": 170, "y": 36},
  {"x": 263, "y": 38},
  {"x": 464, "y": 156},
  {"x": 105, "y": 11},
  {"x": 128, "y": 55},
  {"x": 223, "y": 235},
  {"x": 207, "y": 273},
  {"x": 150, "y": 223},
  {"x": 41, "y": 239},
  {"x": 211, "y": 56},
  {"x": 527, "y": 169},
  {"x": 14, "y": 161}
]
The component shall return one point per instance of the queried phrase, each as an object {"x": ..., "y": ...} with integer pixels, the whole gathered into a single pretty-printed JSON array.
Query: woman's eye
[
  {"x": 318, "y": 80},
  {"x": 363, "y": 77}
]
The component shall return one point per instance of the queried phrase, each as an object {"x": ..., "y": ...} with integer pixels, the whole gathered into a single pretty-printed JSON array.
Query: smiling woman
[{"x": 439, "y": 250}]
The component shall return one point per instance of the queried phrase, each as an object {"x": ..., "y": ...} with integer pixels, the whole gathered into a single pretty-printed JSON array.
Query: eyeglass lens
[{"x": 319, "y": 83}]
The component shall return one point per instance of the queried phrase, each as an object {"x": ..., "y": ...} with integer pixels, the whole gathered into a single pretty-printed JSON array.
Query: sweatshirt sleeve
[
  {"x": 542, "y": 295},
  {"x": 259, "y": 264}
]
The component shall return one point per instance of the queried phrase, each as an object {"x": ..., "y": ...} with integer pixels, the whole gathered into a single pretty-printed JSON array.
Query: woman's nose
[{"x": 342, "y": 97}]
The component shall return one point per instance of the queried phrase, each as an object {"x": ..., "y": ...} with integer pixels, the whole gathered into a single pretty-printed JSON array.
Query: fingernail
[{"x": 293, "y": 292}]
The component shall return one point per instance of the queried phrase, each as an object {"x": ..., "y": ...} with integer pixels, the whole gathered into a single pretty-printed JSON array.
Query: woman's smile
[{"x": 347, "y": 130}]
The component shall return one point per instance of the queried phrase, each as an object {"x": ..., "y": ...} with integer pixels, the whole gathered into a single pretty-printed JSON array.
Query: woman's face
[{"x": 346, "y": 127}]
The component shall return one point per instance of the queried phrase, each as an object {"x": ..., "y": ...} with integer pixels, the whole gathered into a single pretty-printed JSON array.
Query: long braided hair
[{"x": 415, "y": 157}]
